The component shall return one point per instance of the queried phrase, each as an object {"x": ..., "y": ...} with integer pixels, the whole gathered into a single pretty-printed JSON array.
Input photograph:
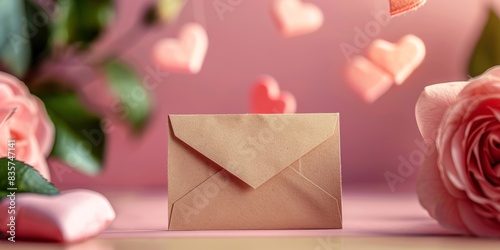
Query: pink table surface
[
  {"x": 373, "y": 219},
  {"x": 370, "y": 212}
]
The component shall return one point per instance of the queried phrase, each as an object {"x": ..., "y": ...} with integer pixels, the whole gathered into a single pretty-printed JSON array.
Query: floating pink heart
[
  {"x": 295, "y": 17},
  {"x": 71, "y": 216},
  {"x": 266, "y": 98},
  {"x": 184, "y": 54},
  {"x": 401, "y": 6},
  {"x": 366, "y": 79},
  {"x": 399, "y": 59}
]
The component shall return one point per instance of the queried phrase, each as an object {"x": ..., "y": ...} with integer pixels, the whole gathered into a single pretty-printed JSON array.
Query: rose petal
[
  {"x": 434, "y": 197},
  {"x": 451, "y": 143},
  {"x": 489, "y": 192},
  {"x": 476, "y": 224},
  {"x": 432, "y": 104},
  {"x": 23, "y": 111},
  {"x": 446, "y": 163},
  {"x": 37, "y": 159},
  {"x": 460, "y": 177},
  {"x": 486, "y": 84},
  {"x": 473, "y": 153},
  {"x": 45, "y": 131},
  {"x": 493, "y": 72},
  {"x": 5, "y": 92},
  {"x": 4, "y": 136},
  {"x": 17, "y": 86},
  {"x": 428, "y": 182},
  {"x": 485, "y": 211}
]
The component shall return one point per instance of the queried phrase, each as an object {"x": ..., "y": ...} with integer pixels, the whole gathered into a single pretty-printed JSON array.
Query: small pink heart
[
  {"x": 184, "y": 54},
  {"x": 295, "y": 17},
  {"x": 366, "y": 79},
  {"x": 71, "y": 216},
  {"x": 266, "y": 98},
  {"x": 399, "y": 59},
  {"x": 400, "y": 6}
]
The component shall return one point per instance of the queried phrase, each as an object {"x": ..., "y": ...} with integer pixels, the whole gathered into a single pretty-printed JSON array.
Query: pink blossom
[
  {"x": 459, "y": 183},
  {"x": 24, "y": 119}
]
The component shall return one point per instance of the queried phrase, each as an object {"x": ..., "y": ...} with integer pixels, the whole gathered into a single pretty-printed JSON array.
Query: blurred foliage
[
  {"x": 487, "y": 51},
  {"x": 134, "y": 98},
  {"x": 81, "y": 22},
  {"x": 27, "y": 179},
  {"x": 36, "y": 33},
  {"x": 79, "y": 138}
]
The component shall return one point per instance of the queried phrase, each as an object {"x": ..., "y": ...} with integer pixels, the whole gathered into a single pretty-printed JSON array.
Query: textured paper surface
[{"x": 254, "y": 172}]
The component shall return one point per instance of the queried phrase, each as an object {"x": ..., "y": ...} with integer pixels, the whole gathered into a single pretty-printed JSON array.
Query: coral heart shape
[
  {"x": 399, "y": 59},
  {"x": 266, "y": 98},
  {"x": 184, "y": 54},
  {"x": 295, "y": 17},
  {"x": 366, "y": 79}
]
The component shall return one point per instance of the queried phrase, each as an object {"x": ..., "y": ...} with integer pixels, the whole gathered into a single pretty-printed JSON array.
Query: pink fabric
[
  {"x": 401, "y": 6},
  {"x": 459, "y": 183},
  {"x": 71, "y": 216}
]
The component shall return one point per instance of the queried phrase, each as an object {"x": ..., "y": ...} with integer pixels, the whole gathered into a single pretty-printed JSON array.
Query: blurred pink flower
[
  {"x": 29, "y": 125},
  {"x": 459, "y": 182}
]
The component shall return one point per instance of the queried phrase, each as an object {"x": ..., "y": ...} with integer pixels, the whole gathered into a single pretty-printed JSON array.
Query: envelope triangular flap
[{"x": 252, "y": 147}]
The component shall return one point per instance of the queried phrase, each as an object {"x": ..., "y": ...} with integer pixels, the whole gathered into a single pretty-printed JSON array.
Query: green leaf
[
  {"x": 487, "y": 51},
  {"x": 16, "y": 174},
  {"x": 79, "y": 141},
  {"x": 127, "y": 85},
  {"x": 14, "y": 37},
  {"x": 81, "y": 22}
]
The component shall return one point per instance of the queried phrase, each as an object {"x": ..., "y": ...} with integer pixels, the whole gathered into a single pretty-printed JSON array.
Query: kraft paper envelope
[{"x": 275, "y": 171}]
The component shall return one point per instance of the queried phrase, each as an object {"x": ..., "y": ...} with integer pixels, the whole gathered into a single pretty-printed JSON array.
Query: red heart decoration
[{"x": 266, "y": 98}]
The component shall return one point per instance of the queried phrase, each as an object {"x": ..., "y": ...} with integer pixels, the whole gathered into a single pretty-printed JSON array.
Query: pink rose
[
  {"x": 30, "y": 126},
  {"x": 459, "y": 182}
]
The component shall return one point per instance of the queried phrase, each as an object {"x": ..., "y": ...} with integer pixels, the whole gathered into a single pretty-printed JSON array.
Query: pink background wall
[{"x": 246, "y": 44}]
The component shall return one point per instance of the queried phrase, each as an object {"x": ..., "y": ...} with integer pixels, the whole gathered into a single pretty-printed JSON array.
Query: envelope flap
[{"x": 254, "y": 148}]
